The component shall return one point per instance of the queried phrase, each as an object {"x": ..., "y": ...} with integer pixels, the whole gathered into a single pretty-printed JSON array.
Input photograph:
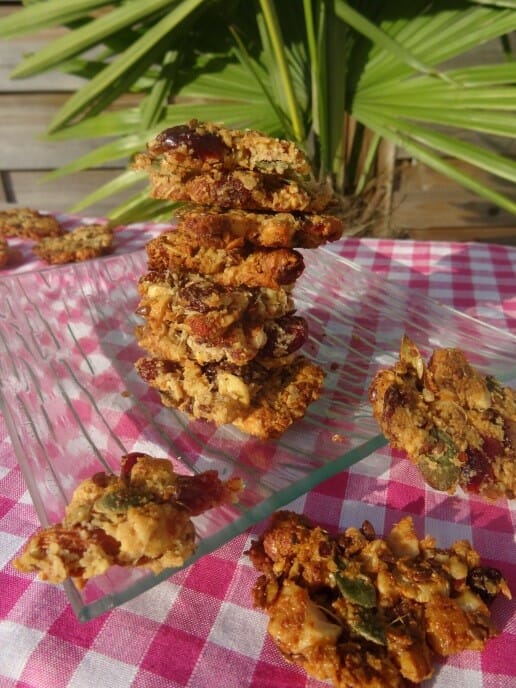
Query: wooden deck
[{"x": 424, "y": 205}]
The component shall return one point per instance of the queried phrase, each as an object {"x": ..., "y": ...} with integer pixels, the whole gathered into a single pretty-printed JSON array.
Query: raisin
[
  {"x": 204, "y": 146},
  {"x": 292, "y": 269},
  {"x": 485, "y": 582}
]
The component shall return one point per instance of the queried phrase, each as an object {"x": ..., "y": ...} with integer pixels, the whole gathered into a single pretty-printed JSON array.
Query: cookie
[
  {"x": 241, "y": 189},
  {"x": 239, "y": 344},
  {"x": 26, "y": 223},
  {"x": 457, "y": 425},
  {"x": 228, "y": 264},
  {"x": 82, "y": 243},
  {"x": 200, "y": 145},
  {"x": 141, "y": 518},
  {"x": 273, "y": 230},
  {"x": 261, "y": 401},
  {"x": 359, "y": 610},
  {"x": 203, "y": 306}
]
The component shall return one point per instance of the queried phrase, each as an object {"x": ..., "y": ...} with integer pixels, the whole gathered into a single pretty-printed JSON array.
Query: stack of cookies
[{"x": 220, "y": 327}]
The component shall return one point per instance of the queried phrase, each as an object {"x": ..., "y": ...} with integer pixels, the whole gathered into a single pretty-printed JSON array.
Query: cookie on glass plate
[
  {"x": 261, "y": 400},
  {"x": 141, "y": 518}
]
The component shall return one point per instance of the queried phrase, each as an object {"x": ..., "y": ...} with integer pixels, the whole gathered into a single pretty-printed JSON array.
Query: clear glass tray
[{"x": 74, "y": 404}]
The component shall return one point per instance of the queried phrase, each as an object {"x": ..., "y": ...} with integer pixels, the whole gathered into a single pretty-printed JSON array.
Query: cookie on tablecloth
[
  {"x": 362, "y": 611},
  {"x": 457, "y": 425},
  {"x": 82, "y": 243},
  {"x": 141, "y": 518},
  {"x": 26, "y": 223}
]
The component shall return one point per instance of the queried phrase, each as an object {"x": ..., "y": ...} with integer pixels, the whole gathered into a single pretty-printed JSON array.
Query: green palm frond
[{"x": 337, "y": 76}]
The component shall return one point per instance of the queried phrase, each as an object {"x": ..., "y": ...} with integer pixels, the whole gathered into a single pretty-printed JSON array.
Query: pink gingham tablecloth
[{"x": 199, "y": 629}]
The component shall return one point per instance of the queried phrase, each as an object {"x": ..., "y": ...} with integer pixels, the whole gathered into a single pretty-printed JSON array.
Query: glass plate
[{"x": 74, "y": 405}]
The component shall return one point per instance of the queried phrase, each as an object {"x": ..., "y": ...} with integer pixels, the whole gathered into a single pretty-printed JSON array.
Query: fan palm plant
[{"x": 339, "y": 77}]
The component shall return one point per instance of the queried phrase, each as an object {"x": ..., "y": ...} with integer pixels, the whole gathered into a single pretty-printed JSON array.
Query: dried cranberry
[
  {"x": 285, "y": 335},
  {"x": 128, "y": 462},
  {"x": 200, "y": 492},
  {"x": 201, "y": 145},
  {"x": 292, "y": 269},
  {"x": 393, "y": 399},
  {"x": 492, "y": 447},
  {"x": 475, "y": 470}
]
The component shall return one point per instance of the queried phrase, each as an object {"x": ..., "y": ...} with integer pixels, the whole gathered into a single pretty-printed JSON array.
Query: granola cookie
[
  {"x": 205, "y": 307},
  {"x": 199, "y": 146},
  {"x": 272, "y": 230},
  {"x": 456, "y": 425},
  {"x": 240, "y": 343},
  {"x": 26, "y": 223},
  {"x": 229, "y": 264},
  {"x": 244, "y": 189},
  {"x": 141, "y": 518},
  {"x": 82, "y": 243},
  {"x": 261, "y": 401},
  {"x": 363, "y": 611}
]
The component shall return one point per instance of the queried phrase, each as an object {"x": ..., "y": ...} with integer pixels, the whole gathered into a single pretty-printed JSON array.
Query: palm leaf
[
  {"x": 133, "y": 61},
  {"x": 43, "y": 15}
]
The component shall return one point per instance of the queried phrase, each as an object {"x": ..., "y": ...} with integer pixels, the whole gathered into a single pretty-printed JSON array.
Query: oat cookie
[
  {"x": 199, "y": 145},
  {"x": 363, "y": 611},
  {"x": 229, "y": 264},
  {"x": 242, "y": 189},
  {"x": 26, "y": 223},
  {"x": 82, "y": 243},
  {"x": 205, "y": 307},
  {"x": 239, "y": 344},
  {"x": 273, "y": 230},
  {"x": 141, "y": 518},
  {"x": 261, "y": 401},
  {"x": 457, "y": 425}
]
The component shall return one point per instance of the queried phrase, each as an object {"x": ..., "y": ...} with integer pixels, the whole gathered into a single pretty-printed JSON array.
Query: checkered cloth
[{"x": 199, "y": 628}]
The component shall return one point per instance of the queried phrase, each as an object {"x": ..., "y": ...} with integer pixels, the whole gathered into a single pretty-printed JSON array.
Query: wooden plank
[
  {"x": 12, "y": 52},
  {"x": 425, "y": 200},
  {"x": 493, "y": 235},
  {"x": 23, "y": 121},
  {"x": 60, "y": 195}
]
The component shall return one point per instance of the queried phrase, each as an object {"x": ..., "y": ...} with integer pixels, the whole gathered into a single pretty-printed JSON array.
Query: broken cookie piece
[
  {"x": 457, "y": 425},
  {"x": 363, "y": 611},
  {"x": 83, "y": 243},
  {"x": 141, "y": 518}
]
